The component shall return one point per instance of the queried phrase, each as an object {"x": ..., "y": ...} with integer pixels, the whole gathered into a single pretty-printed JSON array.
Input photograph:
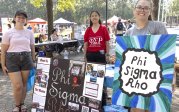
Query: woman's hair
[
  {"x": 151, "y": 7},
  {"x": 9, "y": 25},
  {"x": 53, "y": 31},
  {"x": 91, "y": 24}
]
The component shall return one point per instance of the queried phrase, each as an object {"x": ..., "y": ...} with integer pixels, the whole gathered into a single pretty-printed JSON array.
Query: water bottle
[{"x": 66, "y": 53}]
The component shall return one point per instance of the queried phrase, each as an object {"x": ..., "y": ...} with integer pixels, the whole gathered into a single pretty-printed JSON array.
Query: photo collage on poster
[
  {"x": 60, "y": 87},
  {"x": 76, "y": 72},
  {"x": 41, "y": 82},
  {"x": 94, "y": 78}
]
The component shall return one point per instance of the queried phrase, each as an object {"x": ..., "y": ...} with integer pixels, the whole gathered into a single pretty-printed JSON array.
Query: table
[
  {"x": 55, "y": 42},
  {"x": 70, "y": 45}
]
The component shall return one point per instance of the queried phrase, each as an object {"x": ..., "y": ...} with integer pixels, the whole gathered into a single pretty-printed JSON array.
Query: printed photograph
[
  {"x": 85, "y": 109},
  {"x": 73, "y": 106}
]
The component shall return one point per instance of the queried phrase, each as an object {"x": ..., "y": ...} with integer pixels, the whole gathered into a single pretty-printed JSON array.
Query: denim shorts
[{"x": 18, "y": 61}]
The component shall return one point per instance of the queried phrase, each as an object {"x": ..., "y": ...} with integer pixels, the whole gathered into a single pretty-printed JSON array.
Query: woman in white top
[{"x": 17, "y": 56}]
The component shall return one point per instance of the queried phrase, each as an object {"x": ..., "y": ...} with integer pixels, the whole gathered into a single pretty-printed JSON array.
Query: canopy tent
[
  {"x": 37, "y": 21},
  {"x": 38, "y": 25},
  {"x": 114, "y": 19},
  {"x": 62, "y": 21}
]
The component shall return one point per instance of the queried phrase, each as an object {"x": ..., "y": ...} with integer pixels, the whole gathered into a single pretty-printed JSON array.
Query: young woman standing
[
  {"x": 96, "y": 38},
  {"x": 17, "y": 56}
]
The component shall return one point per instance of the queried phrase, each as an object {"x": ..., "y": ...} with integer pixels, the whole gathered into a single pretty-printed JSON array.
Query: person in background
[
  {"x": 58, "y": 47},
  {"x": 119, "y": 28},
  {"x": 96, "y": 38},
  {"x": 17, "y": 57},
  {"x": 9, "y": 26},
  {"x": 144, "y": 25},
  {"x": 129, "y": 25},
  {"x": 29, "y": 27}
]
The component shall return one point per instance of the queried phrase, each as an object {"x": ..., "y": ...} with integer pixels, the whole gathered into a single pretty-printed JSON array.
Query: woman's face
[
  {"x": 142, "y": 10},
  {"x": 55, "y": 32},
  {"x": 94, "y": 17},
  {"x": 20, "y": 20}
]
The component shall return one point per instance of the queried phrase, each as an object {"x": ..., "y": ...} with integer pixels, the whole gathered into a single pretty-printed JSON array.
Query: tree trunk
[
  {"x": 49, "y": 5},
  {"x": 155, "y": 10}
]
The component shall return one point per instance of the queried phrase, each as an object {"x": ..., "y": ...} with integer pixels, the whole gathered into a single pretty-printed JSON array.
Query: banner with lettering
[
  {"x": 144, "y": 72},
  {"x": 41, "y": 82},
  {"x": 65, "y": 87}
]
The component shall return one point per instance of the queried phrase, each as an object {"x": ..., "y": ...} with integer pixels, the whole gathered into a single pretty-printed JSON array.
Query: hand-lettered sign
[{"x": 144, "y": 72}]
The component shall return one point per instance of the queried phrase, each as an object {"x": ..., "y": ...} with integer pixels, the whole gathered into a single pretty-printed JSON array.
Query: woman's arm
[
  {"x": 33, "y": 52},
  {"x": 4, "y": 49},
  {"x": 107, "y": 47},
  {"x": 85, "y": 49}
]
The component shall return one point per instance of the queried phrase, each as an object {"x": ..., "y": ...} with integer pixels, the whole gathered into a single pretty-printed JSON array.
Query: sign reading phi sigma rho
[
  {"x": 65, "y": 87},
  {"x": 141, "y": 72},
  {"x": 144, "y": 70}
]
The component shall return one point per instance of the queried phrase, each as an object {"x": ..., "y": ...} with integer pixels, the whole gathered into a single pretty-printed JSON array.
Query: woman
[
  {"x": 96, "y": 38},
  {"x": 17, "y": 56},
  {"x": 54, "y": 37},
  {"x": 144, "y": 25}
]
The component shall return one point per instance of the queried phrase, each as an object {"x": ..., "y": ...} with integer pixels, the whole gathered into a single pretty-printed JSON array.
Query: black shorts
[
  {"x": 95, "y": 57},
  {"x": 18, "y": 61}
]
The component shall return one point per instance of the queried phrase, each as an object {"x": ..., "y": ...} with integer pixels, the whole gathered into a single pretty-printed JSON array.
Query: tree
[
  {"x": 49, "y": 6},
  {"x": 61, "y": 5},
  {"x": 155, "y": 9}
]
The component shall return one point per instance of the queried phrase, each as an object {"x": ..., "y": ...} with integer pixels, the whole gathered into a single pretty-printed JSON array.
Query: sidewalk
[{"x": 7, "y": 101}]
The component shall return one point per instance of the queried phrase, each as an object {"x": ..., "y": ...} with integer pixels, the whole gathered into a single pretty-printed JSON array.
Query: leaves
[{"x": 37, "y": 3}]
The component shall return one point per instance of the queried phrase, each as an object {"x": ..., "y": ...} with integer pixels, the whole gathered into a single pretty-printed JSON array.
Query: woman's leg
[
  {"x": 24, "y": 75},
  {"x": 17, "y": 84}
]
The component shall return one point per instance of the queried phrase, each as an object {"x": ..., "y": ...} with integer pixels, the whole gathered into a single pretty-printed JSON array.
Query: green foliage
[
  {"x": 60, "y": 5},
  {"x": 63, "y": 5},
  {"x": 37, "y": 3},
  {"x": 175, "y": 7}
]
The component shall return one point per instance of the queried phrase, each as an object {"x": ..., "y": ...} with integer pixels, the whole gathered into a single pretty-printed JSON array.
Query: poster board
[
  {"x": 65, "y": 88},
  {"x": 41, "y": 82},
  {"x": 94, "y": 79},
  {"x": 144, "y": 72}
]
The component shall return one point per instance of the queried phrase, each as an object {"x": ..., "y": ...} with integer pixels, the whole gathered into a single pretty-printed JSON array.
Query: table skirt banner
[{"x": 143, "y": 72}]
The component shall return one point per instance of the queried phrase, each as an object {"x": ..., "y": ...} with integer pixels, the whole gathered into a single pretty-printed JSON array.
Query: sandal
[
  {"x": 23, "y": 107},
  {"x": 17, "y": 109}
]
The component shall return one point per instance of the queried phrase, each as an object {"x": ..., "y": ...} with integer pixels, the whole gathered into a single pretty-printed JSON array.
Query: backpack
[{"x": 120, "y": 26}]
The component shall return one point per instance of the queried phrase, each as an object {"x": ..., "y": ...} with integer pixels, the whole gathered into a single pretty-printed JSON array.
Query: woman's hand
[
  {"x": 85, "y": 58},
  {"x": 176, "y": 66},
  {"x": 107, "y": 58},
  {"x": 173, "y": 87},
  {"x": 5, "y": 71}
]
